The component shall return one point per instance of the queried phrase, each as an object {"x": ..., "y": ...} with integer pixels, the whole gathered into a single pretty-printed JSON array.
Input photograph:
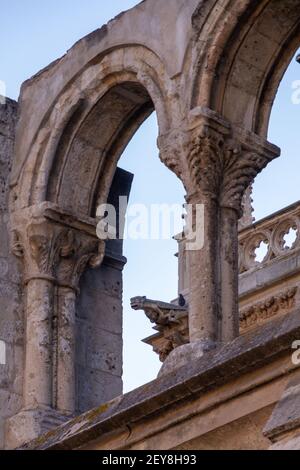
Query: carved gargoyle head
[{"x": 137, "y": 303}]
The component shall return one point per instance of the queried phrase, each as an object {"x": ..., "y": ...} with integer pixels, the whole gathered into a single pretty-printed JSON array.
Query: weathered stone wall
[{"x": 11, "y": 313}]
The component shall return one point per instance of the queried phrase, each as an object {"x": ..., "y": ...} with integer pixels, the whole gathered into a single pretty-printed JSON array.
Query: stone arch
[
  {"x": 152, "y": 53},
  {"x": 234, "y": 69},
  {"x": 103, "y": 107},
  {"x": 77, "y": 116}
]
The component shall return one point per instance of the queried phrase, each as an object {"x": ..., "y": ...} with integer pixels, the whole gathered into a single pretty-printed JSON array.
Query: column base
[
  {"x": 186, "y": 353},
  {"x": 30, "y": 424}
]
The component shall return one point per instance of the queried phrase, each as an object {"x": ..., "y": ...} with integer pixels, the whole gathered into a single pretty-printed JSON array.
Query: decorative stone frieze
[{"x": 257, "y": 314}]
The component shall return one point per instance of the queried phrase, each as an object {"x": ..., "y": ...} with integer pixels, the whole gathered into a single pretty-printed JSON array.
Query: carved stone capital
[
  {"x": 240, "y": 167},
  {"x": 205, "y": 162},
  {"x": 248, "y": 210},
  {"x": 171, "y": 149},
  {"x": 222, "y": 167},
  {"x": 55, "y": 252},
  {"x": 78, "y": 251},
  {"x": 39, "y": 244},
  {"x": 214, "y": 160}
]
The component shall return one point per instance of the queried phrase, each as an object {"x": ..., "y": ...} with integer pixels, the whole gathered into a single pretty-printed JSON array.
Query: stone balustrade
[{"x": 274, "y": 237}]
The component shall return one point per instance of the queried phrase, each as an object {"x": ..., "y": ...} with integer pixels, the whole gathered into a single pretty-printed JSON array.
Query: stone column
[
  {"x": 203, "y": 293},
  {"x": 78, "y": 252},
  {"x": 38, "y": 340},
  {"x": 66, "y": 360},
  {"x": 39, "y": 246},
  {"x": 195, "y": 154},
  {"x": 222, "y": 164},
  {"x": 216, "y": 164},
  {"x": 241, "y": 162},
  {"x": 204, "y": 154},
  {"x": 228, "y": 275},
  {"x": 38, "y": 242},
  {"x": 55, "y": 255}
]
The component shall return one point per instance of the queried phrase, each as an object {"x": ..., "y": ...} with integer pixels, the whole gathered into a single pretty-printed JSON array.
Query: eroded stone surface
[{"x": 11, "y": 309}]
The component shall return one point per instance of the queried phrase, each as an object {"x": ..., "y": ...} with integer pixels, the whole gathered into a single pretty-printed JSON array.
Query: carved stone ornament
[
  {"x": 222, "y": 168},
  {"x": 170, "y": 152},
  {"x": 158, "y": 312},
  {"x": 248, "y": 209},
  {"x": 260, "y": 312},
  {"x": 170, "y": 321},
  {"x": 173, "y": 336},
  {"x": 56, "y": 253},
  {"x": 240, "y": 169},
  {"x": 205, "y": 162},
  {"x": 77, "y": 252}
]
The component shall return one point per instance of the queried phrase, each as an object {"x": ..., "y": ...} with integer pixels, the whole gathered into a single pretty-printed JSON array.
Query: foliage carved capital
[{"x": 57, "y": 253}]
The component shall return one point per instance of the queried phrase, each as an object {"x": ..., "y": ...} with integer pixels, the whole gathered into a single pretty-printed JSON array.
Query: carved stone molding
[{"x": 260, "y": 312}]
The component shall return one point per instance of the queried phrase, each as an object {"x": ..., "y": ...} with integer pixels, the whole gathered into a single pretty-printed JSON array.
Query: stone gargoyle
[{"x": 161, "y": 313}]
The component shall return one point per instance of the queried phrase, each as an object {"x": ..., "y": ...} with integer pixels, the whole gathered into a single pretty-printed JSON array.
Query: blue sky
[{"x": 33, "y": 33}]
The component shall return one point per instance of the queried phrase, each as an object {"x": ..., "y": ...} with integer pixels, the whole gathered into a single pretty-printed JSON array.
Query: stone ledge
[
  {"x": 246, "y": 353},
  {"x": 269, "y": 274},
  {"x": 285, "y": 418}
]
